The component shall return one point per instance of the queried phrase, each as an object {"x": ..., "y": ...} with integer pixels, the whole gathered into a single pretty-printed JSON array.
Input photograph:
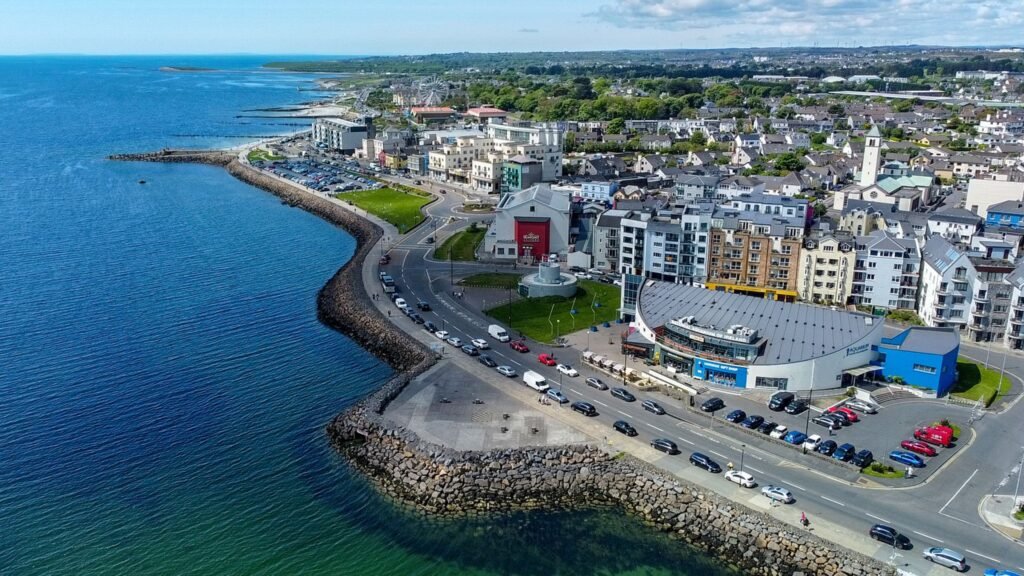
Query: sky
[{"x": 350, "y": 27}]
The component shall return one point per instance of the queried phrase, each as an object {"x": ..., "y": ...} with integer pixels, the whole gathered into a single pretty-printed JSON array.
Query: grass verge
[
  {"x": 881, "y": 471},
  {"x": 259, "y": 154},
  {"x": 545, "y": 319},
  {"x": 492, "y": 280},
  {"x": 401, "y": 209},
  {"x": 979, "y": 383},
  {"x": 461, "y": 245}
]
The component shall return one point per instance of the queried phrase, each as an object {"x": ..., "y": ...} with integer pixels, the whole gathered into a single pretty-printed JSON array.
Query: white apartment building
[
  {"x": 886, "y": 272},
  {"x": 1004, "y": 123},
  {"x": 1014, "y": 338},
  {"x": 542, "y": 142},
  {"x": 826, "y": 269},
  {"x": 607, "y": 238},
  {"x": 984, "y": 192},
  {"x": 338, "y": 134},
  {"x": 667, "y": 245},
  {"x": 477, "y": 159}
]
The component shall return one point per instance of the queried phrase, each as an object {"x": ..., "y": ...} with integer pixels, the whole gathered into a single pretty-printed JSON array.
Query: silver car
[
  {"x": 778, "y": 493},
  {"x": 946, "y": 557},
  {"x": 861, "y": 406},
  {"x": 507, "y": 371}
]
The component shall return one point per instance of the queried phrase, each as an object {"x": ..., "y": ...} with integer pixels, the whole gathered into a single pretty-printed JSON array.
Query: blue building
[
  {"x": 1009, "y": 214},
  {"x": 921, "y": 357}
]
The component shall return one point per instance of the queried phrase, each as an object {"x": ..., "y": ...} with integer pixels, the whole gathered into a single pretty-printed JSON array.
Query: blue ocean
[{"x": 164, "y": 381}]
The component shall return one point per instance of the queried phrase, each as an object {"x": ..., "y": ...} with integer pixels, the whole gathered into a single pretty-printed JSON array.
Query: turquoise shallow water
[{"x": 164, "y": 379}]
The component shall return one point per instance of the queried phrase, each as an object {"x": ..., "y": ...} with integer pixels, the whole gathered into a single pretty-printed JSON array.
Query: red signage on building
[{"x": 532, "y": 238}]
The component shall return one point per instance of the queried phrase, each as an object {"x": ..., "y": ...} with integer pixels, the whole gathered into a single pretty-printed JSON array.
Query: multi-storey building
[
  {"x": 886, "y": 272},
  {"x": 530, "y": 224},
  {"x": 607, "y": 239},
  {"x": 1014, "y": 338},
  {"x": 668, "y": 245},
  {"x": 826, "y": 268},
  {"x": 342, "y": 135},
  {"x": 755, "y": 253}
]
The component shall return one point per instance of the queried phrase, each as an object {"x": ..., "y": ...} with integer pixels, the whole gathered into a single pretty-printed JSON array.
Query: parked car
[
  {"x": 400, "y": 302},
  {"x": 488, "y": 361},
  {"x": 795, "y": 437},
  {"x": 624, "y": 427},
  {"x": 742, "y": 478},
  {"x": 889, "y": 535},
  {"x": 863, "y": 458},
  {"x": 827, "y": 421},
  {"x": 906, "y": 458},
  {"x": 701, "y": 461},
  {"x": 796, "y": 407},
  {"x": 480, "y": 343},
  {"x": 585, "y": 408},
  {"x": 665, "y": 445},
  {"x": 519, "y": 346},
  {"x": 471, "y": 350},
  {"x": 416, "y": 317},
  {"x": 841, "y": 417},
  {"x": 812, "y": 442},
  {"x": 752, "y": 422},
  {"x": 778, "y": 493},
  {"x": 653, "y": 407},
  {"x": 596, "y": 383},
  {"x": 454, "y": 341},
  {"x": 861, "y": 406},
  {"x": 779, "y": 432},
  {"x": 430, "y": 327},
  {"x": 946, "y": 557},
  {"x": 850, "y": 414},
  {"x": 547, "y": 359},
  {"x": 844, "y": 452},
  {"x": 442, "y": 334},
  {"x": 567, "y": 370},
  {"x": 623, "y": 394},
  {"x": 919, "y": 447},
  {"x": 767, "y": 427},
  {"x": 736, "y": 416},
  {"x": 827, "y": 447},
  {"x": 780, "y": 400},
  {"x": 712, "y": 405},
  {"x": 423, "y": 306},
  {"x": 557, "y": 396},
  {"x": 507, "y": 371}
]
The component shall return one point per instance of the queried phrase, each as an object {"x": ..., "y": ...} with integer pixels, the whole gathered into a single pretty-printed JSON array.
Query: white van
[
  {"x": 535, "y": 381},
  {"x": 498, "y": 333}
]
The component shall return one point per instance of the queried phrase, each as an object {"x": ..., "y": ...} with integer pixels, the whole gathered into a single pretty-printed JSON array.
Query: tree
[
  {"x": 788, "y": 162},
  {"x": 820, "y": 209},
  {"x": 836, "y": 109},
  {"x": 616, "y": 126},
  {"x": 818, "y": 138},
  {"x": 698, "y": 138}
]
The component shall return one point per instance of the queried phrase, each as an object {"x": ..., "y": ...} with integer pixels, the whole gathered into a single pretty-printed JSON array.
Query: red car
[
  {"x": 547, "y": 359},
  {"x": 849, "y": 413},
  {"x": 919, "y": 447},
  {"x": 519, "y": 346}
]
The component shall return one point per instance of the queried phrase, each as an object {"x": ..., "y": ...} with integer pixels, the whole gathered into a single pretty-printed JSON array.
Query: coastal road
[{"x": 941, "y": 512}]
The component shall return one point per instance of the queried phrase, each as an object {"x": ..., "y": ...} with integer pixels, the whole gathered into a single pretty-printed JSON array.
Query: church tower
[{"x": 872, "y": 157}]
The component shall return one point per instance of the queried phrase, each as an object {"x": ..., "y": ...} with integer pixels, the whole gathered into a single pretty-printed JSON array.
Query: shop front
[{"x": 719, "y": 373}]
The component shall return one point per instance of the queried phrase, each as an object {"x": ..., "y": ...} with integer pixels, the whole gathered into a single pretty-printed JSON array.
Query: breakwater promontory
[{"x": 444, "y": 483}]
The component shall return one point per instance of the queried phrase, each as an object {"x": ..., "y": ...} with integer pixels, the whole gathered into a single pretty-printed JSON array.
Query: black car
[
  {"x": 863, "y": 458},
  {"x": 623, "y": 394},
  {"x": 665, "y": 445},
  {"x": 417, "y": 318},
  {"x": 585, "y": 408},
  {"x": 736, "y": 416},
  {"x": 780, "y": 400},
  {"x": 423, "y": 306},
  {"x": 430, "y": 327},
  {"x": 889, "y": 535},
  {"x": 471, "y": 350},
  {"x": 752, "y": 422},
  {"x": 652, "y": 406},
  {"x": 767, "y": 427},
  {"x": 843, "y": 419},
  {"x": 701, "y": 461},
  {"x": 712, "y": 404},
  {"x": 624, "y": 427},
  {"x": 827, "y": 447},
  {"x": 488, "y": 361},
  {"x": 827, "y": 421},
  {"x": 796, "y": 407}
]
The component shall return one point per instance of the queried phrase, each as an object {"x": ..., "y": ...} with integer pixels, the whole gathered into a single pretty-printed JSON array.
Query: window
[
  {"x": 533, "y": 208},
  {"x": 924, "y": 368}
]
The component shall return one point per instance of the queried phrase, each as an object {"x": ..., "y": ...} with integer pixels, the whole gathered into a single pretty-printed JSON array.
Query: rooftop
[
  {"x": 938, "y": 341},
  {"x": 793, "y": 332}
]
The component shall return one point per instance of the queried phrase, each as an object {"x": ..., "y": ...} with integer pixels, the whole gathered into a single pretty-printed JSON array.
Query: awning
[{"x": 862, "y": 370}]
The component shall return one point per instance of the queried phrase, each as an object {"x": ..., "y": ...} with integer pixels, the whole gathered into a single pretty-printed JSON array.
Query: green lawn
[
  {"x": 531, "y": 316},
  {"x": 462, "y": 245},
  {"x": 492, "y": 280},
  {"x": 398, "y": 208},
  {"x": 879, "y": 470},
  {"x": 258, "y": 154},
  {"x": 979, "y": 383}
]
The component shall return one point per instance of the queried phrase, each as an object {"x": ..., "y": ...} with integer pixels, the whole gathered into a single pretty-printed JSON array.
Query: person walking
[{"x": 803, "y": 520}]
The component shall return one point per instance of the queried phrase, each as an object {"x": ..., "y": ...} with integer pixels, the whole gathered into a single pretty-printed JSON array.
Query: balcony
[
  {"x": 982, "y": 299},
  {"x": 1019, "y": 320}
]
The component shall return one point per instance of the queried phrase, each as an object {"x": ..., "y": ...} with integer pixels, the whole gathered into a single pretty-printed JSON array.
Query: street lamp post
[
  {"x": 743, "y": 452},
  {"x": 1016, "y": 491},
  {"x": 559, "y": 380}
]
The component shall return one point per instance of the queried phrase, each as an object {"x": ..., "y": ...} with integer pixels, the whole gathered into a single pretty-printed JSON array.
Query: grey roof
[
  {"x": 611, "y": 218},
  {"x": 540, "y": 193},
  {"x": 697, "y": 180},
  {"x": 939, "y": 253},
  {"x": 1008, "y": 207},
  {"x": 938, "y": 341},
  {"x": 731, "y": 218},
  {"x": 793, "y": 332},
  {"x": 958, "y": 215},
  {"x": 1016, "y": 278}
]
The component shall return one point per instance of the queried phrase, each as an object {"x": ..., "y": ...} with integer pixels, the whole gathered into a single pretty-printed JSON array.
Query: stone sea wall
[{"x": 441, "y": 482}]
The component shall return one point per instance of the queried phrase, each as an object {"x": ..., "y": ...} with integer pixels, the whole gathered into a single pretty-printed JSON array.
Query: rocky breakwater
[{"x": 212, "y": 157}]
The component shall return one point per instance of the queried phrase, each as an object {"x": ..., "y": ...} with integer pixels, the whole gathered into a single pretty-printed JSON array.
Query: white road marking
[
  {"x": 798, "y": 487},
  {"x": 957, "y": 493},
  {"x": 923, "y": 535},
  {"x": 655, "y": 427},
  {"x": 687, "y": 441},
  {"x": 601, "y": 403},
  {"x": 877, "y": 518},
  {"x": 623, "y": 413},
  {"x": 719, "y": 454},
  {"x": 755, "y": 469},
  {"x": 833, "y": 501},
  {"x": 969, "y": 551}
]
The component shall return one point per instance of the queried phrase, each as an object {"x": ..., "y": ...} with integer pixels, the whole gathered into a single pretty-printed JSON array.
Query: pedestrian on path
[
  {"x": 803, "y": 520},
  {"x": 389, "y": 313}
]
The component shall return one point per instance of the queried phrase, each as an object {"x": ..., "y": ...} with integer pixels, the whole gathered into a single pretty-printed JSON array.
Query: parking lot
[
  {"x": 880, "y": 433},
  {"x": 321, "y": 175}
]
